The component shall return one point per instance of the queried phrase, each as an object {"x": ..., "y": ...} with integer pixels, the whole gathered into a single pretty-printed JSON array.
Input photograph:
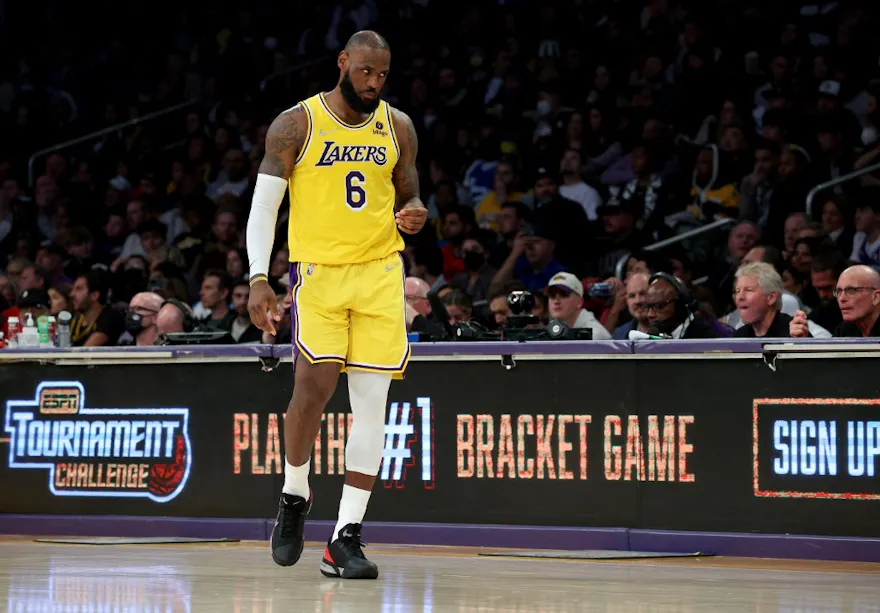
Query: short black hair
[
  {"x": 774, "y": 257},
  {"x": 829, "y": 260},
  {"x": 465, "y": 214},
  {"x": 97, "y": 281},
  {"x": 367, "y": 39},
  {"x": 223, "y": 276}
]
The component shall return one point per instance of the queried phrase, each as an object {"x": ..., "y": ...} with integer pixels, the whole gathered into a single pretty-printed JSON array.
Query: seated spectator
[
  {"x": 636, "y": 290},
  {"x": 140, "y": 320},
  {"x": 671, "y": 310},
  {"x": 456, "y": 225},
  {"x": 790, "y": 302},
  {"x": 175, "y": 317},
  {"x": 505, "y": 190},
  {"x": 573, "y": 186},
  {"x": 511, "y": 221},
  {"x": 837, "y": 219},
  {"x": 758, "y": 297},
  {"x": 713, "y": 189},
  {"x": 532, "y": 260},
  {"x": 826, "y": 270},
  {"x": 740, "y": 241},
  {"x": 215, "y": 298},
  {"x": 866, "y": 243},
  {"x": 94, "y": 324},
  {"x": 565, "y": 294},
  {"x": 458, "y": 305},
  {"x": 60, "y": 300},
  {"x": 419, "y": 315},
  {"x": 566, "y": 216},
  {"x": 243, "y": 331},
  {"x": 858, "y": 294},
  {"x": 33, "y": 302},
  {"x": 478, "y": 275}
]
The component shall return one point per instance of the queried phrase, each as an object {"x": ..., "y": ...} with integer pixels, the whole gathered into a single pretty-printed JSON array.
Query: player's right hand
[
  {"x": 799, "y": 328},
  {"x": 262, "y": 307}
]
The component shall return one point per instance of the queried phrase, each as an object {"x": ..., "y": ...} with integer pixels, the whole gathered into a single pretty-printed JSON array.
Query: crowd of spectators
[{"x": 558, "y": 141}]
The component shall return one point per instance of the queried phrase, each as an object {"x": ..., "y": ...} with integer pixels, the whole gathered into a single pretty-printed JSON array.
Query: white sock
[
  {"x": 352, "y": 508},
  {"x": 296, "y": 479}
]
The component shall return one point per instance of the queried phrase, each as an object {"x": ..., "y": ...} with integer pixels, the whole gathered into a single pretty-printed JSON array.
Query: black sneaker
[
  {"x": 344, "y": 558},
  {"x": 287, "y": 536}
]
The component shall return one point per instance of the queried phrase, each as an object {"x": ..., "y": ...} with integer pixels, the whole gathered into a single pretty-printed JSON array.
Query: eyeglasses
[
  {"x": 412, "y": 298},
  {"x": 658, "y": 306},
  {"x": 850, "y": 292}
]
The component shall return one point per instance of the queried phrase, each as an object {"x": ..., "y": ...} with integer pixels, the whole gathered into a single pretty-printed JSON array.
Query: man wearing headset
[{"x": 672, "y": 310}]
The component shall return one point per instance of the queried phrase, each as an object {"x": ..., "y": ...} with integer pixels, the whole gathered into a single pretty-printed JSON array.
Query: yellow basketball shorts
[{"x": 352, "y": 314}]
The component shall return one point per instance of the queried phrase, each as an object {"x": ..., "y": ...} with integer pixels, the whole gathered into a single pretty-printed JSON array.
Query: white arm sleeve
[{"x": 268, "y": 194}]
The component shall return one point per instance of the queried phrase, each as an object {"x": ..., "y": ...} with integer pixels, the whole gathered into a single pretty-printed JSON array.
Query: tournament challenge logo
[{"x": 118, "y": 453}]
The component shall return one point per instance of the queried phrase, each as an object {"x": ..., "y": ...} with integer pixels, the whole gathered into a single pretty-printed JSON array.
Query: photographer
[{"x": 566, "y": 301}]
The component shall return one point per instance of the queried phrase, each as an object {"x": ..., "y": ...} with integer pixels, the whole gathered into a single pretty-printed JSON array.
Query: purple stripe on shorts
[{"x": 293, "y": 280}]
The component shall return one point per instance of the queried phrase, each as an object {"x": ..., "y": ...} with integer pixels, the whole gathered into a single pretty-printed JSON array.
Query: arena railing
[
  {"x": 835, "y": 182},
  {"x": 620, "y": 267},
  {"x": 99, "y": 133}
]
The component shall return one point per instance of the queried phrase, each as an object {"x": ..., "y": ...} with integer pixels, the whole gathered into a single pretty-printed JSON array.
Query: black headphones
[
  {"x": 189, "y": 321},
  {"x": 685, "y": 303}
]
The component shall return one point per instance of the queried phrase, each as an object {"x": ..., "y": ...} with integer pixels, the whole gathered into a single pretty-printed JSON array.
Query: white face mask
[
  {"x": 543, "y": 108},
  {"x": 869, "y": 135},
  {"x": 429, "y": 120}
]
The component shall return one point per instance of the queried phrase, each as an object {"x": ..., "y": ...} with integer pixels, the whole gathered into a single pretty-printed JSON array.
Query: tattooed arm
[
  {"x": 284, "y": 139},
  {"x": 410, "y": 213}
]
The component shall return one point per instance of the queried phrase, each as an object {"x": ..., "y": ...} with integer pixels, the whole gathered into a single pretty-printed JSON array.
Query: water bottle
[
  {"x": 14, "y": 329},
  {"x": 64, "y": 318},
  {"x": 43, "y": 331}
]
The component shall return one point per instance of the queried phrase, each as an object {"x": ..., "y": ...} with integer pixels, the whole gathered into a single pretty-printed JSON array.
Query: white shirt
[
  {"x": 585, "y": 196},
  {"x": 586, "y": 319},
  {"x": 864, "y": 252}
]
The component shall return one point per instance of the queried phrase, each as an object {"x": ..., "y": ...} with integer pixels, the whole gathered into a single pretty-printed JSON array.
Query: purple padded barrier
[
  {"x": 851, "y": 549},
  {"x": 560, "y": 348},
  {"x": 697, "y": 346},
  {"x": 177, "y": 351},
  {"x": 470, "y": 535},
  {"x": 504, "y": 348},
  {"x": 120, "y": 525},
  {"x": 530, "y": 347},
  {"x": 736, "y": 345}
]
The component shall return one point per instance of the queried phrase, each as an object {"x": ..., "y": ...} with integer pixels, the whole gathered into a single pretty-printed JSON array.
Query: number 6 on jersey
[{"x": 355, "y": 194}]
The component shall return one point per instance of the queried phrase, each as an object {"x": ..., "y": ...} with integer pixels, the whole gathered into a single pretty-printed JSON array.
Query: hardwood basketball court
[{"x": 241, "y": 578}]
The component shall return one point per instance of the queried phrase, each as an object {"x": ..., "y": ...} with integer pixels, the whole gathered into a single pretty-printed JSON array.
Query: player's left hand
[{"x": 411, "y": 219}]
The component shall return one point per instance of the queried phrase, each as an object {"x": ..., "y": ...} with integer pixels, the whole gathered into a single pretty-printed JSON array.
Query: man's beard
[{"x": 353, "y": 100}]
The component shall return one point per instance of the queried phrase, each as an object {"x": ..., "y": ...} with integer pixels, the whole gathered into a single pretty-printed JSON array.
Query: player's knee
[
  {"x": 314, "y": 384},
  {"x": 368, "y": 393}
]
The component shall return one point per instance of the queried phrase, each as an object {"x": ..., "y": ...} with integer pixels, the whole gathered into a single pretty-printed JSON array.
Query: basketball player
[{"x": 349, "y": 161}]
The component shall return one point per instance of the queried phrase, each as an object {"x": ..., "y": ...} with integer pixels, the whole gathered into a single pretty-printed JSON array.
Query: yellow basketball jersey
[{"x": 341, "y": 194}]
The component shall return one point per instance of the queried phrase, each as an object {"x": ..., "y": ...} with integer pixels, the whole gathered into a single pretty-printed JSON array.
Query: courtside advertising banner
[{"x": 722, "y": 445}]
